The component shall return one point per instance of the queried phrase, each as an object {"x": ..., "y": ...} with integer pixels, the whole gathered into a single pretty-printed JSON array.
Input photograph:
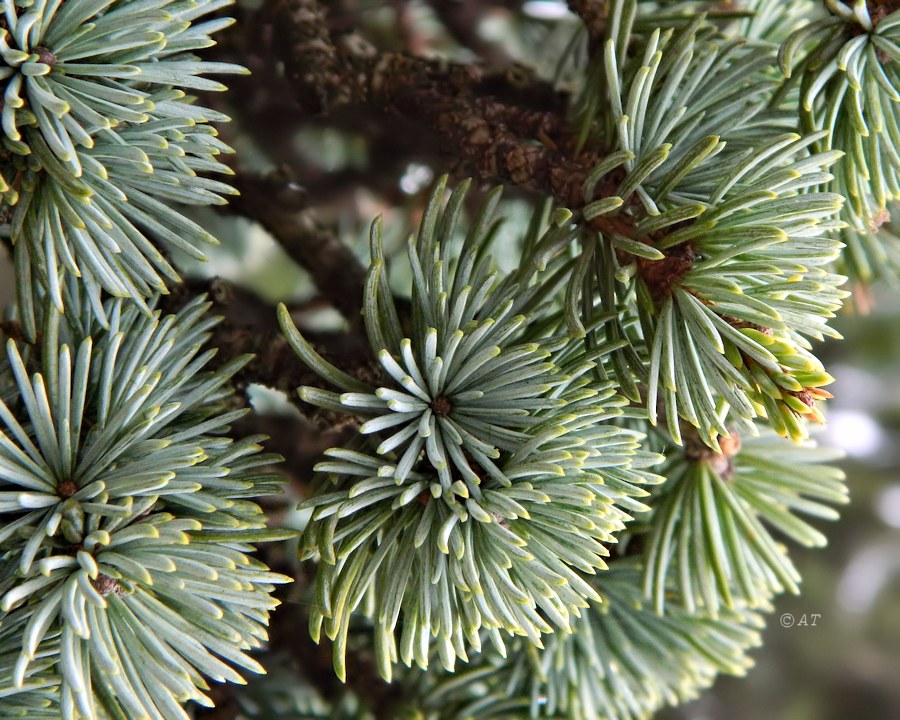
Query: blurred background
[{"x": 832, "y": 653}]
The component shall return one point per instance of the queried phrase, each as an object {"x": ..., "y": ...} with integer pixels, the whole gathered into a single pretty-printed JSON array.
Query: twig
[
  {"x": 276, "y": 203},
  {"x": 594, "y": 14},
  {"x": 462, "y": 18},
  {"x": 502, "y": 125}
]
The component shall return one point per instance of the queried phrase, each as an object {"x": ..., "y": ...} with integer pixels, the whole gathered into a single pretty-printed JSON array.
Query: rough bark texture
[{"x": 498, "y": 125}]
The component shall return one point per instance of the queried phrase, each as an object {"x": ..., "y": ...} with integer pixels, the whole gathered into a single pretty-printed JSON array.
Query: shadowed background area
[{"x": 6, "y": 279}]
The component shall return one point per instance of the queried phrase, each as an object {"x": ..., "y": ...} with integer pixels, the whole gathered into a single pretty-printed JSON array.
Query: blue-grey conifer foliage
[
  {"x": 571, "y": 484},
  {"x": 127, "y": 515},
  {"x": 99, "y": 135}
]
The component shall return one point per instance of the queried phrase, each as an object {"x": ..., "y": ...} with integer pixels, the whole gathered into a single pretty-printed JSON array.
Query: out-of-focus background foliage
[{"x": 839, "y": 658}]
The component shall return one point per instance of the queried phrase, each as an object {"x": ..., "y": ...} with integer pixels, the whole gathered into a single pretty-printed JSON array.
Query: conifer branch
[
  {"x": 498, "y": 125},
  {"x": 491, "y": 431}
]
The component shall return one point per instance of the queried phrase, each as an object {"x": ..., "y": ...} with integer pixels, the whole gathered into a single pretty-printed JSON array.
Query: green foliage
[
  {"x": 711, "y": 532},
  {"x": 621, "y": 662},
  {"x": 284, "y": 694},
  {"x": 450, "y": 545},
  {"x": 126, "y": 517},
  {"x": 38, "y": 695},
  {"x": 772, "y": 21},
  {"x": 729, "y": 243},
  {"x": 846, "y": 66},
  {"x": 471, "y": 377},
  {"x": 493, "y": 533},
  {"x": 98, "y": 135},
  {"x": 697, "y": 276}
]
